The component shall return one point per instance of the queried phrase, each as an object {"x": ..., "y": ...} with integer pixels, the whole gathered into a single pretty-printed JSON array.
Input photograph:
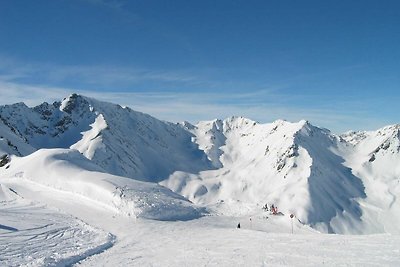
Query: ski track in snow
[
  {"x": 208, "y": 241},
  {"x": 32, "y": 234}
]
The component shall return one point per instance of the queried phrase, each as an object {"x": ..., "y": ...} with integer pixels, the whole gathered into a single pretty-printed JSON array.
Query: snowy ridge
[
  {"x": 122, "y": 141},
  {"x": 375, "y": 159},
  {"x": 11, "y": 142},
  {"x": 333, "y": 189}
]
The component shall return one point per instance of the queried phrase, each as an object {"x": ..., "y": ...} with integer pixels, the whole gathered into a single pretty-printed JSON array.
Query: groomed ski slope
[
  {"x": 33, "y": 234},
  {"x": 214, "y": 241},
  {"x": 132, "y": 239}
]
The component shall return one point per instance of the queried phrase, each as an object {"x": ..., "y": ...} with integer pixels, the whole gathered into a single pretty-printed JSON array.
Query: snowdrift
[{"x": 68, "y": 170}]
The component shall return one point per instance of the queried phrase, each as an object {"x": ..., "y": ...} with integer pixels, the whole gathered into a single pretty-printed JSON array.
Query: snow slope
[
  {"x": 213, "y": 241},
  {"x": 290, "y": 165},
  {"x": 374, "y": 157},
  {"x": 207, "y": 241},
  {"x": 33, "y": 234},
  {"x": 67, "y": 170},
  {"x": 11, "y": 143}
]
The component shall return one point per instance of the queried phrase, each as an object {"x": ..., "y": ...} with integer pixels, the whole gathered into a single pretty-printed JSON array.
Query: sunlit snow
[{"x": 91, "y": 183}]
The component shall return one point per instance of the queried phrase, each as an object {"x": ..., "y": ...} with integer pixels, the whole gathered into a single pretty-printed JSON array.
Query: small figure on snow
[
  {"x": 238, "y": 226},
  {"x": 265, "y": 208},
  {"x": 274, "y": 210}
]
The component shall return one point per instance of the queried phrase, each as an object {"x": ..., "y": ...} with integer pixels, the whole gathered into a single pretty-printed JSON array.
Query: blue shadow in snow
[{"x": 8, "y": 228}]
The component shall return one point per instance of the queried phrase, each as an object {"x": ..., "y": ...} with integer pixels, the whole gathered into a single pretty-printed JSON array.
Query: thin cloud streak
[
  {"x": 96, "y": 75},
  {"x": 194, "y": 107},
  {"x": 198, "y": 107},
  {"x": 264, "y": 105},
  {"x": 31, "y": 95}
]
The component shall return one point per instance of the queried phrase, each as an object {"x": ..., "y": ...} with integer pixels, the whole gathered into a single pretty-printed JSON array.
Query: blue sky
[{"x": 335, "y": 63}]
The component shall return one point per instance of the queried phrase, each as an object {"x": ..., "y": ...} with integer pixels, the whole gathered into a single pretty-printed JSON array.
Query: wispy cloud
[
  {"x": 95, "y": 75},
  {"x": 108, "y": 75},
  {"x": 193, "y": 107},
  {"x": 31, "y": 95},
  {"x": 35, "y": 83}
]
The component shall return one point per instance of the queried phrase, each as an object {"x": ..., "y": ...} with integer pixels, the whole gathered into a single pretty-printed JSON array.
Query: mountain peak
[
  {"x": 74, "y": 102},
  {"x": 390, "y": 130}
]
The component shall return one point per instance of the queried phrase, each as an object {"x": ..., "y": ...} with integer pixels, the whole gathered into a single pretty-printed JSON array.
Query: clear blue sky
[{"x": 335, "y": 63}]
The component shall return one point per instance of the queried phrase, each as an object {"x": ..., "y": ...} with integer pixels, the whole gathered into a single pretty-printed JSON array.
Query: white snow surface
[
  {"x": 291, "y": 165},
  {"x": 32, "y": 234},
  {"x": 40, "y": 233},
  {"x": 374, "y": 157},
  {"x": 91, "y": 199},
  {"x": 67, "y": 170}
]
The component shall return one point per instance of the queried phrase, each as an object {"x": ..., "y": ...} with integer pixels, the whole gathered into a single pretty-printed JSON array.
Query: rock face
[{"x": 342, "y": 184}]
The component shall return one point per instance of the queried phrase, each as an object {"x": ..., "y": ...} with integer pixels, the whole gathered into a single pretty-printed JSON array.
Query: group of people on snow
[{"x": 273, "y": 209}]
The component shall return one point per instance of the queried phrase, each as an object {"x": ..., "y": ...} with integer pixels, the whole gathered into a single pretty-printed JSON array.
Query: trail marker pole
[{"x": 291, "y": 218}]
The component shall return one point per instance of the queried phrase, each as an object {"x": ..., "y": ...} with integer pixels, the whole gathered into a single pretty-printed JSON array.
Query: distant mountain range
[{"x": 347, "y": 183}]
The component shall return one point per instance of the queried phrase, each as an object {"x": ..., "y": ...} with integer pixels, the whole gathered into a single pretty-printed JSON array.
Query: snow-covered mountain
[
  {"x": 374, "y": 157},
  {"x": 120, "y": 140},
  {"x": 341, "y": 184},
  {"x": 291, "y": 165}
]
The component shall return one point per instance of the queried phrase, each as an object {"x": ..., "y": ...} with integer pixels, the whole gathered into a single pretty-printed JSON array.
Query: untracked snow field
[{"x": 37, "y": 234}]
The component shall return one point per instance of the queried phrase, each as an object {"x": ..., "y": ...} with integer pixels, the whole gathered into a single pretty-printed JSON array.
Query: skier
[{"x": 238, "y": 226}]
